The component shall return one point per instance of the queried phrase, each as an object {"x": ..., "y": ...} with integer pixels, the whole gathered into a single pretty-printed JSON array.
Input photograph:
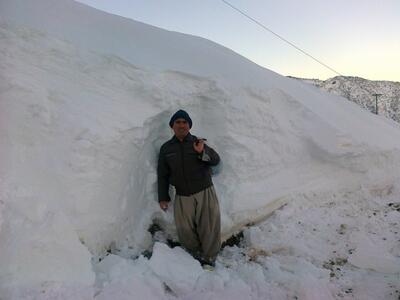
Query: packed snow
[{"x": 310, "y": 178}]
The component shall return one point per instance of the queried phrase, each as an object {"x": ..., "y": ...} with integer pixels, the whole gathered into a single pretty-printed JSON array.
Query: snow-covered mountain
[
  {"x": 85, "y": 100},
  {"x": 361, "y": 91}
]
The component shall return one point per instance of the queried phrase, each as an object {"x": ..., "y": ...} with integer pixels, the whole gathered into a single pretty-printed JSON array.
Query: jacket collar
[{"x": 187, "y": 138}]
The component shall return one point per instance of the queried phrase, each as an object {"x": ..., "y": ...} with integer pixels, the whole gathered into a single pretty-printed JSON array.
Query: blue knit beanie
[{"x": 180, "y": 114}]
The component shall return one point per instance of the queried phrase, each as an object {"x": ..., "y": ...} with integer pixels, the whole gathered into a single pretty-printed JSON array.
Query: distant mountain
[{"x": 360, "y": 91}]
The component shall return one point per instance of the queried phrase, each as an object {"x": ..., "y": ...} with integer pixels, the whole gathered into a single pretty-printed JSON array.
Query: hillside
[{"x": 361, "y": 91}]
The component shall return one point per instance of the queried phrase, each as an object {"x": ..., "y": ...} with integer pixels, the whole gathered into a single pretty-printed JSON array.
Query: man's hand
[
  {"x": 199, "y": 146},
  {"x": 164, "y": 205}
]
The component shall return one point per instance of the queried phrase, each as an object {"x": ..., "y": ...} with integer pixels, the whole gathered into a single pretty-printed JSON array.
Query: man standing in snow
[{"x": 184, "y": 162}]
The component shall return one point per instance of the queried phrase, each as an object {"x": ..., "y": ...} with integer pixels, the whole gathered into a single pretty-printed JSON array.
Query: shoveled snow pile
[{"x": 80, "y": 131}]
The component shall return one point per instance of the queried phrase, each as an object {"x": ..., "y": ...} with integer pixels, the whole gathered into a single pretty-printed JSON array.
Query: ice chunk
[{"x": 178, "y": 269}]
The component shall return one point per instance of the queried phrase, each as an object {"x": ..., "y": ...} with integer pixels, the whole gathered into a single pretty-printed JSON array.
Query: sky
[{"x": 353, "y": 37}]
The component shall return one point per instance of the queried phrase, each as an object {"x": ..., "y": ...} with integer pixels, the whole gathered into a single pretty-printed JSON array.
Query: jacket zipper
[{"x": 183, "y": 168}]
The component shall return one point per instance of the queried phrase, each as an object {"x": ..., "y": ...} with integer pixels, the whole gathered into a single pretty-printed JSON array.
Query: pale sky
[{"x": 354, "y": 37}]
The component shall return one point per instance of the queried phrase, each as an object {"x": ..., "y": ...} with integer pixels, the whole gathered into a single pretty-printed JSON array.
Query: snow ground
[
  {"x": 343, "y": 245},
  {"x": 80, "y": 131}
]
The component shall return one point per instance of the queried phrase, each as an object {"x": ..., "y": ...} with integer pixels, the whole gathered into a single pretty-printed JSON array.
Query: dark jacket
[{"x": 181, "y": 166}]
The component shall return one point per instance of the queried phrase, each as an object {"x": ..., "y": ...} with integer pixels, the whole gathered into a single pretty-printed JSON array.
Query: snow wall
[{"x": 80, "y": 133}]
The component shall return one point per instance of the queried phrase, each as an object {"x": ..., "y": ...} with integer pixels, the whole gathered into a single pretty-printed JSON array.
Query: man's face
[{"x": 181, "y": 128}]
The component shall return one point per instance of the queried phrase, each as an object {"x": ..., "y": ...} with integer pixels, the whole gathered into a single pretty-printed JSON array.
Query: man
[{"x": 184, "y": 162}]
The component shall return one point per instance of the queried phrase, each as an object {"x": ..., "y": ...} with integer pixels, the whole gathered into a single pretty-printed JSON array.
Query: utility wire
[{"x": 280, "y": 37}]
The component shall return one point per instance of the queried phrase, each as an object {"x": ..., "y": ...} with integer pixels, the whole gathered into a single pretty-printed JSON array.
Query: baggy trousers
[{"x": 198, "y": 223}]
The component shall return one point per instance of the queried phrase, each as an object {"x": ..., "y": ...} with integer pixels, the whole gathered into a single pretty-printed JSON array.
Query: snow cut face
[{"x": 81, "y": 130}]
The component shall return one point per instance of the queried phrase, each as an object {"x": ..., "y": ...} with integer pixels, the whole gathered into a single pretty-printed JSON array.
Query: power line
[{"x": 280, "y": 37}]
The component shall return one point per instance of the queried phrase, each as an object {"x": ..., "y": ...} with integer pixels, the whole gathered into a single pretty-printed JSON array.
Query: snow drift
[{"x": 85, "y": 99}]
